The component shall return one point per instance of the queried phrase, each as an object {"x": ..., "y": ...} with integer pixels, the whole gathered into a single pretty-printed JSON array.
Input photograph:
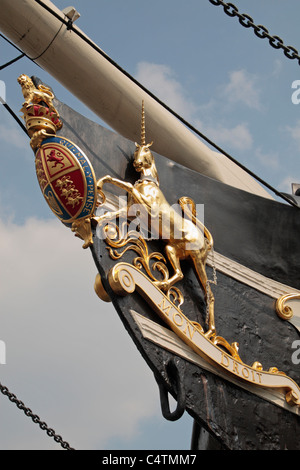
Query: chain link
[
  {"x": 259, "y": 30},
  {"x": 35, "y": 418},
  {"x": 214, "y": 281}
]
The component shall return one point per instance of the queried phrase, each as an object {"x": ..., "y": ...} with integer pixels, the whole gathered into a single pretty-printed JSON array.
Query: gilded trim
[
  {"x": 285, "y": 311},
  {"x": 125, "y": 279}
]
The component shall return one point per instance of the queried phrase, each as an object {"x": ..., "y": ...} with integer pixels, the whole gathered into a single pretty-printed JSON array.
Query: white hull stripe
[
  {"x": 257, "y": 281},
  {"x": 165, "y": 338}
]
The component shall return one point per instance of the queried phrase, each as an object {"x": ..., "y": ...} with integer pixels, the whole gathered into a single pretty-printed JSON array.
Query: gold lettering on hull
[
  {"x": 177, "y": 318},
  {"x": 125, "y": 278},
  {"x": 241, "y": 370}
]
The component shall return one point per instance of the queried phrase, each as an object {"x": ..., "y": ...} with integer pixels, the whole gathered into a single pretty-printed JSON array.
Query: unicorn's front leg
[
  {"x": 102, "y": 181},
  {"x": 111, "y": 216},
  {"x": 109, "y": 179}
]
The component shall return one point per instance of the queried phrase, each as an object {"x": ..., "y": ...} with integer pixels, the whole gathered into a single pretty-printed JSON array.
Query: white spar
[{"x": 109, "y": 93}]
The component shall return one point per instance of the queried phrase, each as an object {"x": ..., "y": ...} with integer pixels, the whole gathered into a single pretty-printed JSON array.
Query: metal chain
[
  {"x": 213, "y": 281},
  {"x": 35, "y": 418},
  {"x": 261, "y": 31}
]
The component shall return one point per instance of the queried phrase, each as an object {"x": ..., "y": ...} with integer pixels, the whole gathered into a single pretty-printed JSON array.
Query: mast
[{"x": 108, "y": 92}]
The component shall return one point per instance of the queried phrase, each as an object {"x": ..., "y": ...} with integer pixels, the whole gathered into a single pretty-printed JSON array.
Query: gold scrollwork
[
  {"x": 125, "y": 279},
  {"x": 99, "y": 289},
  {"x": 122, "y": 281},
  {"x": 232, "y": 348},
  {"x": 175, "y": 295},
  {"x": 120, "y": 241},
  {"x": 82, "y": 229},
  {"x": 118, "y": 238},
  {"x": 285, "y": 311}
]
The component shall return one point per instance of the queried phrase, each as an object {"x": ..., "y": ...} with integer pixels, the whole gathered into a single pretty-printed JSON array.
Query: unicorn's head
[{"x": 143, "y": 159}]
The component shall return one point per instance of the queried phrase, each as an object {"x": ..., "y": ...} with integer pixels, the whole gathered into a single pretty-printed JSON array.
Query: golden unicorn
[{"x": 184, "y": 238}]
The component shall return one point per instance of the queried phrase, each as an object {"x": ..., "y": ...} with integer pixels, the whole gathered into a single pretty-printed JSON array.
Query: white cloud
[
  {"x": 237, "y": 137},
  {"x": 270, "y": 160},
  {"x": 295, "y": 133},
  {"x": 243, "y": 88},
  {"x": 68, "y": 356},
  {"x": 13, "y": 136},
  {"x": 278, "y": 67},
  {"x": 161, "y": 81},
  {"x": 286, "y": 184}
]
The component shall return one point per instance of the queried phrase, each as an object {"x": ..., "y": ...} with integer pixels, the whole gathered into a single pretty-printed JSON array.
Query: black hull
[{"x": 258, "y": 233}]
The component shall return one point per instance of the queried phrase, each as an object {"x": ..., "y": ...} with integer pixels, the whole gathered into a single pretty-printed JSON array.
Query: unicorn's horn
[{"x": 143, "y": 129}]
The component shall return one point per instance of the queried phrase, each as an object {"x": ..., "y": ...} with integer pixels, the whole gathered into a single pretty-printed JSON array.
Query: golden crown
[
  {"x": 38, "y": 110},
  {"x": 38, "y": 117}
]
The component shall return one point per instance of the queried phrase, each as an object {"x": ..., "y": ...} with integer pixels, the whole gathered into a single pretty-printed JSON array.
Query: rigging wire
[
  {"x": 12, "y": 44},
  {"x": 70, "y": 26},
  {"x": 18, "y": 120},
  {"x": 12, "y": 61},
  {"x": 33, "y": 59},
  {"x": 54, "y": 37}
]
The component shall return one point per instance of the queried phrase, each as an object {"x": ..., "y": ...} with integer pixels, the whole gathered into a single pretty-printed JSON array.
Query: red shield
[{"x": 66, "y": 179}]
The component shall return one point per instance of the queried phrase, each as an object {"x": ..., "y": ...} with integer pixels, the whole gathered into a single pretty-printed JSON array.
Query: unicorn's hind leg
[
  {"x": 173, "y": 258},
  {"x": 199, "y": 266}
]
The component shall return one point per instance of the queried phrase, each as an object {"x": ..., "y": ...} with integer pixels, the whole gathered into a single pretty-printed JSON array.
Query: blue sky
[{"x": 94, "y": 388}]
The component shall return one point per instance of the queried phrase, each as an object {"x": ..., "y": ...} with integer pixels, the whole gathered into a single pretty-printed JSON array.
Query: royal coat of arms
[{"x": 66, "y": 179}]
